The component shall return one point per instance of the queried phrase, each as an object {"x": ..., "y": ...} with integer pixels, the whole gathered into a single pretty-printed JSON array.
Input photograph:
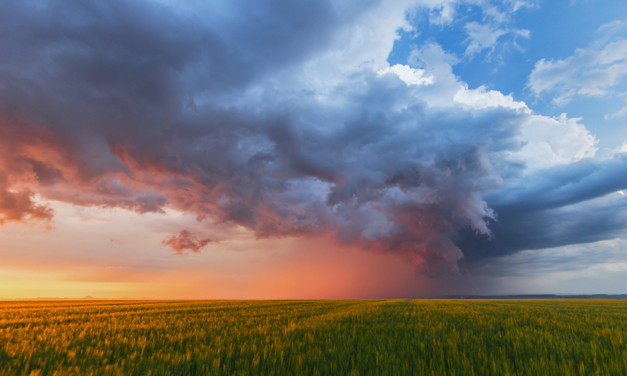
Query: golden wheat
[{"x": 398, "y": 337}]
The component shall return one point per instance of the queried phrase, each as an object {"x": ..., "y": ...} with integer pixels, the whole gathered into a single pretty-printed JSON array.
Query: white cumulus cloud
[
  {"x": 480, "y": 99},
  {"x": 409, "y": 75}
]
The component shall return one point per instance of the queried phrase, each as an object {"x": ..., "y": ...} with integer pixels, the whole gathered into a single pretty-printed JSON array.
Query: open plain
[{"x": 355, "y": 337}]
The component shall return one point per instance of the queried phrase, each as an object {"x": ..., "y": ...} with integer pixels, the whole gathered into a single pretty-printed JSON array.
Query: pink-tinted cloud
[
  {"x": 185, "y": 240},
  {"x": 18, "y": 205}
]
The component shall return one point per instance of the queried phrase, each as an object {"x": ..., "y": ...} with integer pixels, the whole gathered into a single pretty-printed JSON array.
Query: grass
[{"x": 397, "y": 337}]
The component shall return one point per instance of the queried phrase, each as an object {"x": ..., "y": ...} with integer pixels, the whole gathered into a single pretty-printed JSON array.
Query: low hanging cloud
[
  {"x": 183, "y": 241},
  {"x": 565, "y": 204},
  {"x": 300, "y": 128}
]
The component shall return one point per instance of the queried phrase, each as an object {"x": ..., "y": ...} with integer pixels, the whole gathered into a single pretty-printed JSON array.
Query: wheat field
[{"x": 381, "y": 337}]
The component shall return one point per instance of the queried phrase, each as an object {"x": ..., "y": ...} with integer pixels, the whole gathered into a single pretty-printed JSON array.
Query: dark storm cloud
[
  {"x": 564, "y": 185},
  {"x": 146, "y": 49},
  {"x": 558, "y": 206},
  {"x": 143, "y": 106}
]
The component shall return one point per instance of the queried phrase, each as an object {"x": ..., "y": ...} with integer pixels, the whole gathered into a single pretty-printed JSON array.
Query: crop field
[{"x": 393, "y": 337}]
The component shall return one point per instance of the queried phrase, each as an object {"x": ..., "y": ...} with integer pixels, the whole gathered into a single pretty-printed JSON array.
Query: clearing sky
[{"x": 312, "y": 149}]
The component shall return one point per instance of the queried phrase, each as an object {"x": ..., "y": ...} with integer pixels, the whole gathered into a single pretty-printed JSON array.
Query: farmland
[{"x": 391, "y": 337}]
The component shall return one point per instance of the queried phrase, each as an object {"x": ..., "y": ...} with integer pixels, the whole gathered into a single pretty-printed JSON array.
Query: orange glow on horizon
[{"x": 110, "y": 254}]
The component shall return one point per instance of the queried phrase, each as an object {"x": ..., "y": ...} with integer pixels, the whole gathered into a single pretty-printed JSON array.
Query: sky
[{"x": 281, "y": 149}]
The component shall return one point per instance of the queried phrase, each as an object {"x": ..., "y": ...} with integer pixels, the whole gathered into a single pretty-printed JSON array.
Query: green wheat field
[{"x": 356, "y": 337}]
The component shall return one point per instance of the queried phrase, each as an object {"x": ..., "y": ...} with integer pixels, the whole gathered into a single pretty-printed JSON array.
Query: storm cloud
[{"x": 273, "y": 115}]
